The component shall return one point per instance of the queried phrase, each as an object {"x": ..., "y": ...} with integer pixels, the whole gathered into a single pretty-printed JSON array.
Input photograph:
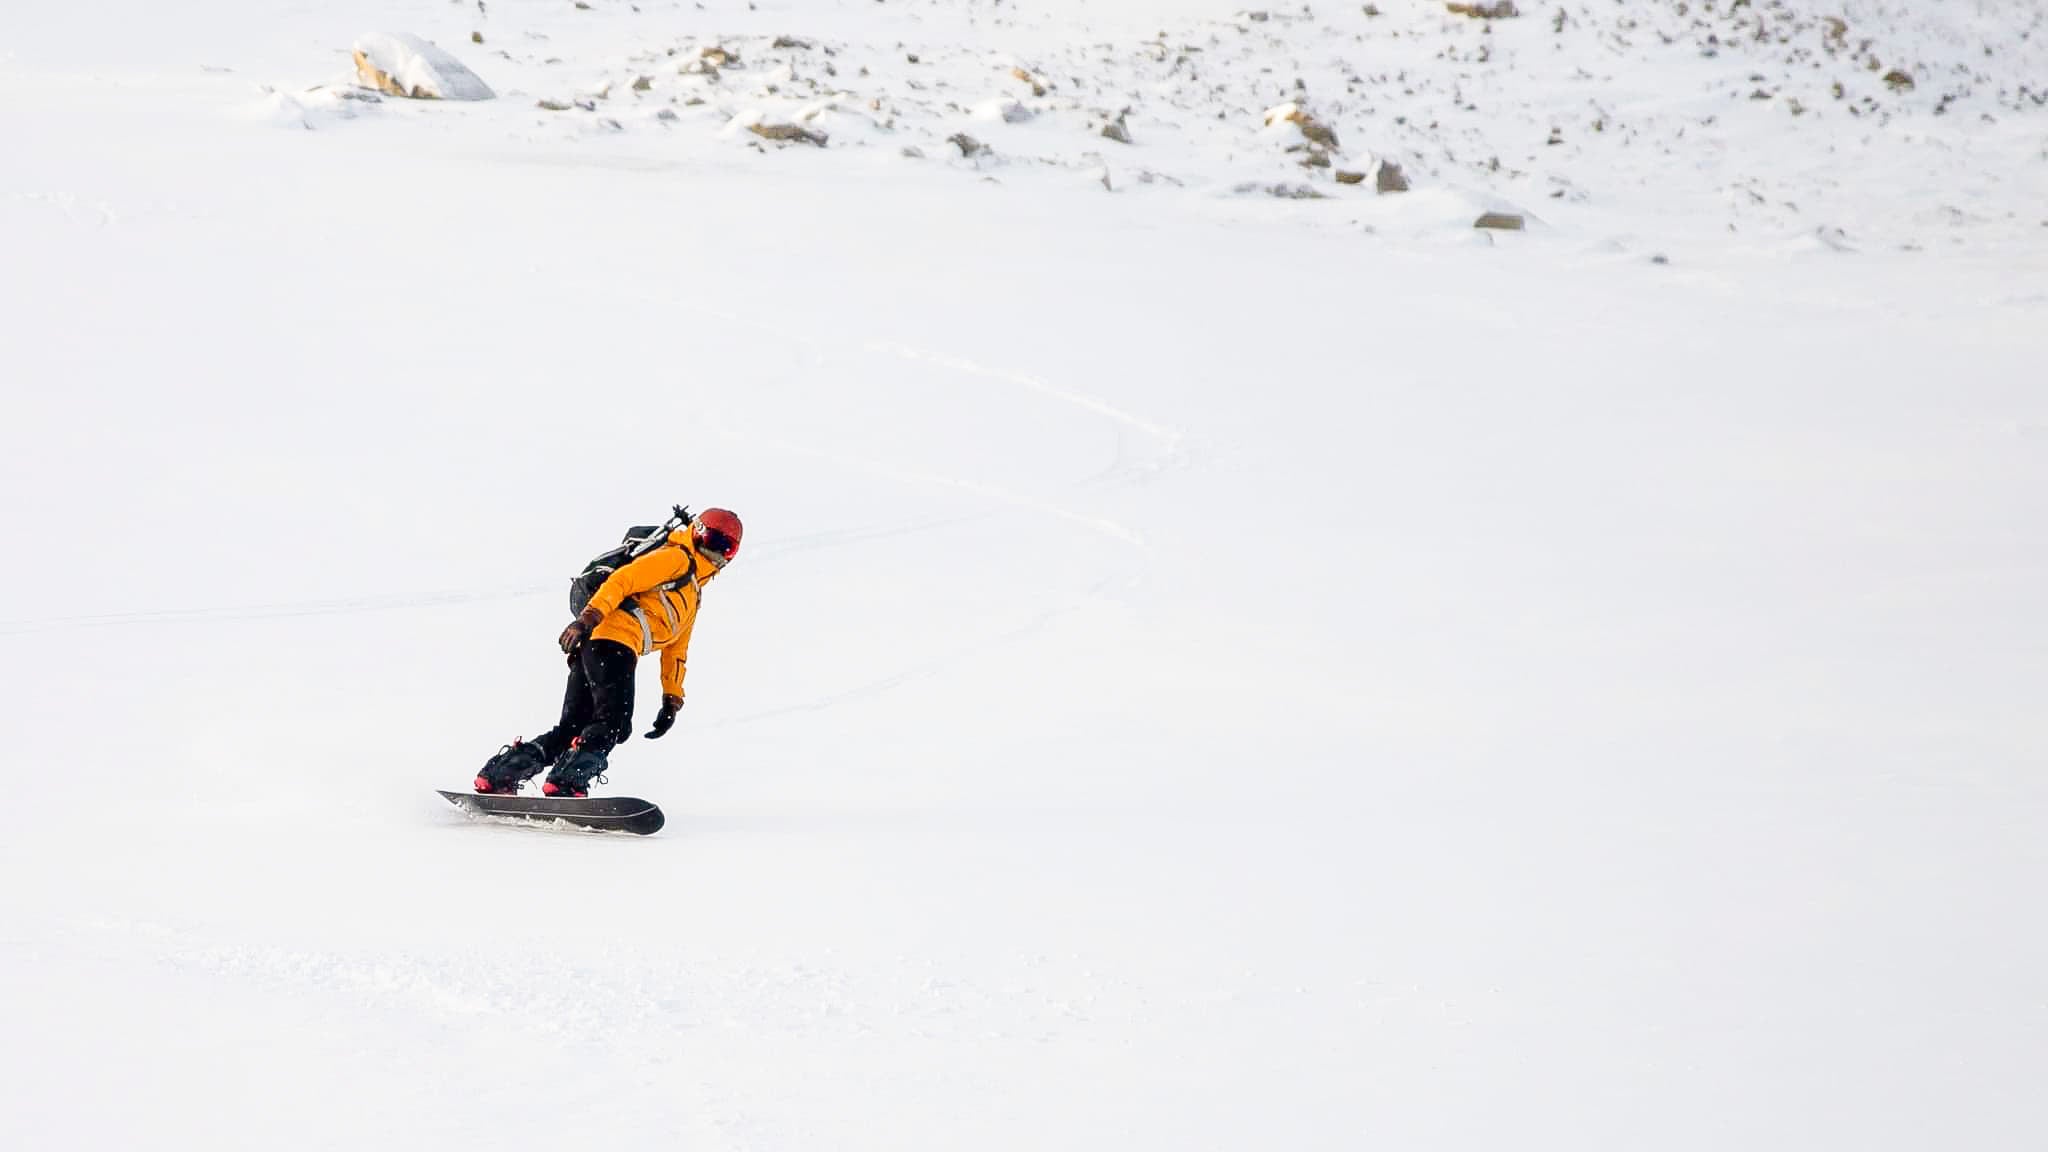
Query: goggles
[{"x": 715, "y": 545}]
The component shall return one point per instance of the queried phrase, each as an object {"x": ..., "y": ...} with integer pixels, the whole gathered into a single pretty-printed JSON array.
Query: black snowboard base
[{"x": 597, "y": 814}]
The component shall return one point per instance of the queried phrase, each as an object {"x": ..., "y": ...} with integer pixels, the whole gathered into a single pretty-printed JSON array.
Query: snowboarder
[{"x": 648, "y": 604}]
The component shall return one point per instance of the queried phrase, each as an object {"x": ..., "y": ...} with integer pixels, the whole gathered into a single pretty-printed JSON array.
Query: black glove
[
  {"x": 578, "y": 630},
  {"x": 666, "y": 718}
]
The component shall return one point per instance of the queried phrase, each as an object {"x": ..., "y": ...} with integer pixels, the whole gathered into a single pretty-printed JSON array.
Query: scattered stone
[
  {"x": 787, "y": 133},
  {"x": 1660, "y": 259},
  {"x": 1500, "y": 222},
  {"x": 794, "y": 42},
  {"x": 668, "y": 114},
  {"x": 1037, "y": 88},
  {"x": 719, "y": 57},
  {"x": 912, "y": 57},
  {"x": 552, "y": 106},
  {"x": 1117, "y": 131},
  {"x": 643, "y": 83},
  {"x": 1504, "y": 10},
  {"x": 1372, "y": 10},
  {"x": 476, "y": 37},
  {"x": 913, "y": 152},
  {"x": 968, "y": 145},
  {"x": 1391, "y": 178},
  {"x": 1898, "y": 80},
  {"x": 1344, "y": 177},
  {"x": 1258, "y": 17}
]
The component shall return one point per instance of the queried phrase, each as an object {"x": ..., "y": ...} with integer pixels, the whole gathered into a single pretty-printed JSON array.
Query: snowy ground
[{"x": 1208, "y": 670}]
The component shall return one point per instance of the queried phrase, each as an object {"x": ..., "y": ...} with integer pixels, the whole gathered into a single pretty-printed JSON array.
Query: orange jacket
[{"x": 652, "y": 603}]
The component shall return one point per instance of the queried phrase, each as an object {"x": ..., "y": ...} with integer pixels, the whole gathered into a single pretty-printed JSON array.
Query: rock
[
  {"x": 668, "y": 114},
  {"x": 1117, "y": 131},
  {"x": 1037, "y": 88},
  {"x": 1391, "y": 178},
  {"x": 401, "y": 65},
  {"x": 719, "y": 57},
  {"x": 552, "y": 106},
  {"x": 643, "y": 83},
  {"x": 1504, "y": 10},
  {"x": 476, "y": 37},
  {"x": 913, "y": 152},
  {"x": 968, "y": 145},
  {"x": 1898, "y": 81},
  {"x": 794, "y": 42},
  {"x": 1314, "y": 130},
  {"x": 1344, "y": 177},
  {"x": 1500, "y": 222},
  {"x": 1372, "y": 9},
  {"x": 788, "y": 133},
  {"x": 1281, "y": 191}
]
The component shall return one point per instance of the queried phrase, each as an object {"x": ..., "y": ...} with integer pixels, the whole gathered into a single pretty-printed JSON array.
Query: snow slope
[{"x": 1207, "y": 670}]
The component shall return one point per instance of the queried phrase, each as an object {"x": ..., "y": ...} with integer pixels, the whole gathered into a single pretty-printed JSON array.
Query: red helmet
[{"x": 717, "y": 532}]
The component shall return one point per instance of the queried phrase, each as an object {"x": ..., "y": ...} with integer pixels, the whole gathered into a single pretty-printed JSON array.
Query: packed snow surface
[{"x": 1224, "y": 656}]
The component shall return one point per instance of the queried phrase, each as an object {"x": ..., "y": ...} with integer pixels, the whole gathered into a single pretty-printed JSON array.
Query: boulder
[
  {"x": 787, "y": 133},
  {"x": 1314, "y": 130},
  {"x": 1504, "y": 10},
  {"x": 402, "y": 65}
]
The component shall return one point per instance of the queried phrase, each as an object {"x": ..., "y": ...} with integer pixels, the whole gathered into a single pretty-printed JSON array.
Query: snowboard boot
[
  {"x": 572, "y": 774},
  {"x": 512, "y": 766}
]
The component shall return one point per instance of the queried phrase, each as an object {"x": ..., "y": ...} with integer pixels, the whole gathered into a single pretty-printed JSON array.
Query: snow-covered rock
[{"x": 404, "y": 65}]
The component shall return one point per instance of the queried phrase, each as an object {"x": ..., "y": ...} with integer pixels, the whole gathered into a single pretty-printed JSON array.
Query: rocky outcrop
[{"x": 400, "y": 65}]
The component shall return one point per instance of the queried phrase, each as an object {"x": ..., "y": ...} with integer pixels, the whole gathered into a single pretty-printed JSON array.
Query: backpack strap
[{"x": 639, "y": 611}]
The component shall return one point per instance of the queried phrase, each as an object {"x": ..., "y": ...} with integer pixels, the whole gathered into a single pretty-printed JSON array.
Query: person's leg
[
  {"x": 578, "y": 707},
  {"x": 608, "y": 667}
]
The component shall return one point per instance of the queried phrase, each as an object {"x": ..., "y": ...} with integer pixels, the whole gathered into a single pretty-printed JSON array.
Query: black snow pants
[{"x": 598, "y": 705}]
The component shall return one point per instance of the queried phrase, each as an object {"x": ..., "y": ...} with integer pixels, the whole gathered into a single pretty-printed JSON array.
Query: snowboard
[{"x": 597, "y": 814}]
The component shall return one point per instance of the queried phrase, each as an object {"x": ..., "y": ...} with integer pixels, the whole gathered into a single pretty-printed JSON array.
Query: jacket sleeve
[
  {"x": 652, "y": 570},
  {"x": 674, "y": 658}
]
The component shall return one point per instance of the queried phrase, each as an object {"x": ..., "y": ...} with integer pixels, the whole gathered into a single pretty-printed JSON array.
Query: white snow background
[{"x": 1206, "y": 670}]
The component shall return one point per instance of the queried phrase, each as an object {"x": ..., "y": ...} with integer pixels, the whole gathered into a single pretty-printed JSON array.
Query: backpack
[{"x": 638, "y": 542}]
